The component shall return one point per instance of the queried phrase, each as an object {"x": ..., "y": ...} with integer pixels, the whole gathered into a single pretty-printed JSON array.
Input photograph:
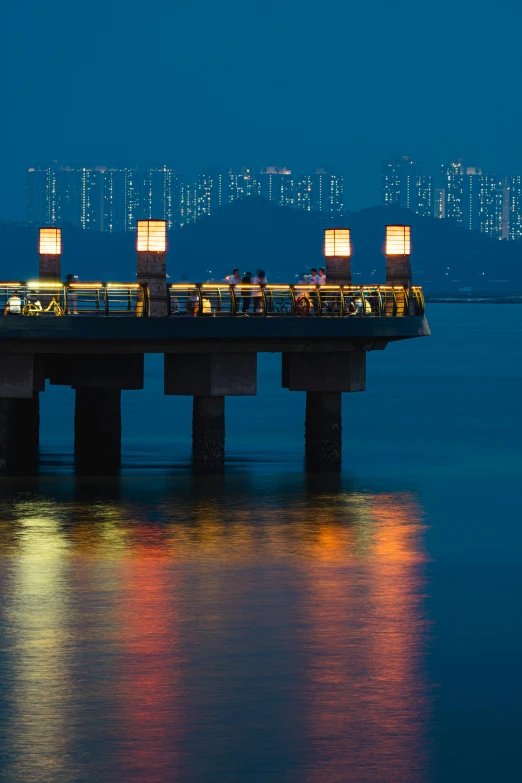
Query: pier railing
[
  {"x": 91, "y": 299},
  {"x": 330, "y": 301},
  {"x": 212, "y": 300}
]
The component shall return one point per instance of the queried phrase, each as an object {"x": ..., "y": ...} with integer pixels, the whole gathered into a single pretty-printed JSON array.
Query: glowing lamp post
[
  {"x": 398, "y": 266},
  {"x": 398, "y": 241},
  {"x": 337, "y": 252},
  {"x": 151, "y": 244},
  {"x": 50, "y": 251}
]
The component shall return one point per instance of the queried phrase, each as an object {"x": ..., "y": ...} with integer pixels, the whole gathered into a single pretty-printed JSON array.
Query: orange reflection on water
[
  {"x": 147, "y": 673},
  {"x": 366, "y": 697}
]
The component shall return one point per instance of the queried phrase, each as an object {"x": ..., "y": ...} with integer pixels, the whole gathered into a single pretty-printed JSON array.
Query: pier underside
[{"x": 208, "y": 359}]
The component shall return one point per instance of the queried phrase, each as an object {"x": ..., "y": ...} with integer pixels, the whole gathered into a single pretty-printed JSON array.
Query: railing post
[
  {"x": 292, "y": 296},
  {"x": 263, "y": 297},
  {"x": 105, "y": 300}
]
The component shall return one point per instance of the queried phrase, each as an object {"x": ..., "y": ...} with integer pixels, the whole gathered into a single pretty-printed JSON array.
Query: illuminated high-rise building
[
  {"x": 439, "y": 203},
  {"x": 43, "y": 195},
  {"x": 423, "y": 204},
  {"x": 399, "y": 183},
  {"x": 204, "y": 188},
  {"x": 327, "y": 192},
  {"x": 491, "y": 206},
  {"x": 188, "y": 203},
  {"x": 159, "y": 196},
  {"x": 90, "y": 183},
  {"x": 471, "y": 180},
  {"x": 303, "y": 193},
  {"x": 451, "y": 184},
  {"x": 242, "y": 185},
  {"x": 277, "y": 186},
  {"x": 514, "y": 199},
  {"x": 121, "y": 194}
]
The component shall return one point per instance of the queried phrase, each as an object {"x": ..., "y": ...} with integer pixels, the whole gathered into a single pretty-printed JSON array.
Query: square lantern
[
  {"x": 337, "y": 243},
  {"x": 151, "y": 236},
  {"x": 50, "y": 242},
  {"x": 398, "y": 242}
]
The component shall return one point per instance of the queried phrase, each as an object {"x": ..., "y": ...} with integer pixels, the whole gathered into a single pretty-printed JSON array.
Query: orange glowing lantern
[
  {"x": 337, "y": 243},
  {"x": 50, "y": 242},
  {"x": 398, "y": 240},
  {"x": 151, "y": 236}
]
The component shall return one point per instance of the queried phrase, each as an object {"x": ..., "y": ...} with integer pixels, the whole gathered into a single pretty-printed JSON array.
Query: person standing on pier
[
  {"x": 234, "y": 278},
  {"x": 246, "y": 292},
  {"x": 261, "y": 281},
  {"x": 72, "y": 297}
]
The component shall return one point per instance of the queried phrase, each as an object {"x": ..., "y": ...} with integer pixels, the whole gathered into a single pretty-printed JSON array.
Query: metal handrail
[
  {"x": 221, "y": 299},
  {"x": 92, "y": 299}
]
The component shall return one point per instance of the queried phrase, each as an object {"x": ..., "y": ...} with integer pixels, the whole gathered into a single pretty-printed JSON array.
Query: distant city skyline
[
  {"x": 474, "y": 199},
  {"x": 109, "y": 197}
]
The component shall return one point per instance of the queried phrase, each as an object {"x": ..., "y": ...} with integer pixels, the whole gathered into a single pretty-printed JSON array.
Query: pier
[{"x": 93, "y": 337}]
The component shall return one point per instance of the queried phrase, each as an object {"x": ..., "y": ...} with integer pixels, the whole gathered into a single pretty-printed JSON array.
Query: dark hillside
[{"x": 253, "y": 234}]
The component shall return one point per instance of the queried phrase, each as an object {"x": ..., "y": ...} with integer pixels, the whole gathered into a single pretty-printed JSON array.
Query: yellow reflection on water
[{"x": 36, "y": 608}]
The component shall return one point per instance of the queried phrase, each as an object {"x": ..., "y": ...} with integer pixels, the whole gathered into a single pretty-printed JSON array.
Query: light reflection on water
[{"x": 263, "y": 631}]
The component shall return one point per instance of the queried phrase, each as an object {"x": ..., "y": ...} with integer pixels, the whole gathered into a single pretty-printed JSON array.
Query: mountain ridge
[{"x": 254, "y": 234}]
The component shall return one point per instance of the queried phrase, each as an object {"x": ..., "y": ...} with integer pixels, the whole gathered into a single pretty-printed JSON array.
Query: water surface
[{"x": 271, "y": 624}]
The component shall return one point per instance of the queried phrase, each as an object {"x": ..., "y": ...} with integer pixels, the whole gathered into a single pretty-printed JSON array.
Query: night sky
[{"x": 281, "y": 82}]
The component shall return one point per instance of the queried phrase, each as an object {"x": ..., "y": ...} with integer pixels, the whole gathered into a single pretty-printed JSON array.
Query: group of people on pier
[
  {"x": 253, "y": 297},
  {"x": 316, "y": 277}
]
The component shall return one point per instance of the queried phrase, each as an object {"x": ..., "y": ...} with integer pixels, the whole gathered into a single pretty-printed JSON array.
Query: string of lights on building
[
  {"x": 106, "y": 198},
  {"x": 476, "y": 201}
]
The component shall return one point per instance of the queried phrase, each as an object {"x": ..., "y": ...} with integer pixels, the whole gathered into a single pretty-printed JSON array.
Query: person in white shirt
[
  {"x": 314, "y": 277},
  {"x": 322, "y": 277},
  {"x": 234, "y": 278},
  {"x": 13, "y": 305}
]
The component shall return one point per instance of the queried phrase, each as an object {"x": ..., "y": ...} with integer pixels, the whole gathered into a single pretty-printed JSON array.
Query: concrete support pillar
[
  {"x": 211, "y": 374},
  {"x": 97, "y": 430},
  {"x": 209, "y": 378},
  {"x": 208, "y": 433},
  {"x": 323, "y": 429},
  {"x": 324, "y": 376},
  {"x": 19, "y": 435},
  {"x": 21, "y": 380},
  {"x": 318, "y": 371}
]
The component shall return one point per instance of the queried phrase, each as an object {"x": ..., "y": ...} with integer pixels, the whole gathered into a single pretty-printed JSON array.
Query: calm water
[{"x": 274, "y": 625}]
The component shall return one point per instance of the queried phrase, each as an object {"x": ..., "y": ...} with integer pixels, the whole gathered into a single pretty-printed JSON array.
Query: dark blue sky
[{"x": 289, "y": 82}]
